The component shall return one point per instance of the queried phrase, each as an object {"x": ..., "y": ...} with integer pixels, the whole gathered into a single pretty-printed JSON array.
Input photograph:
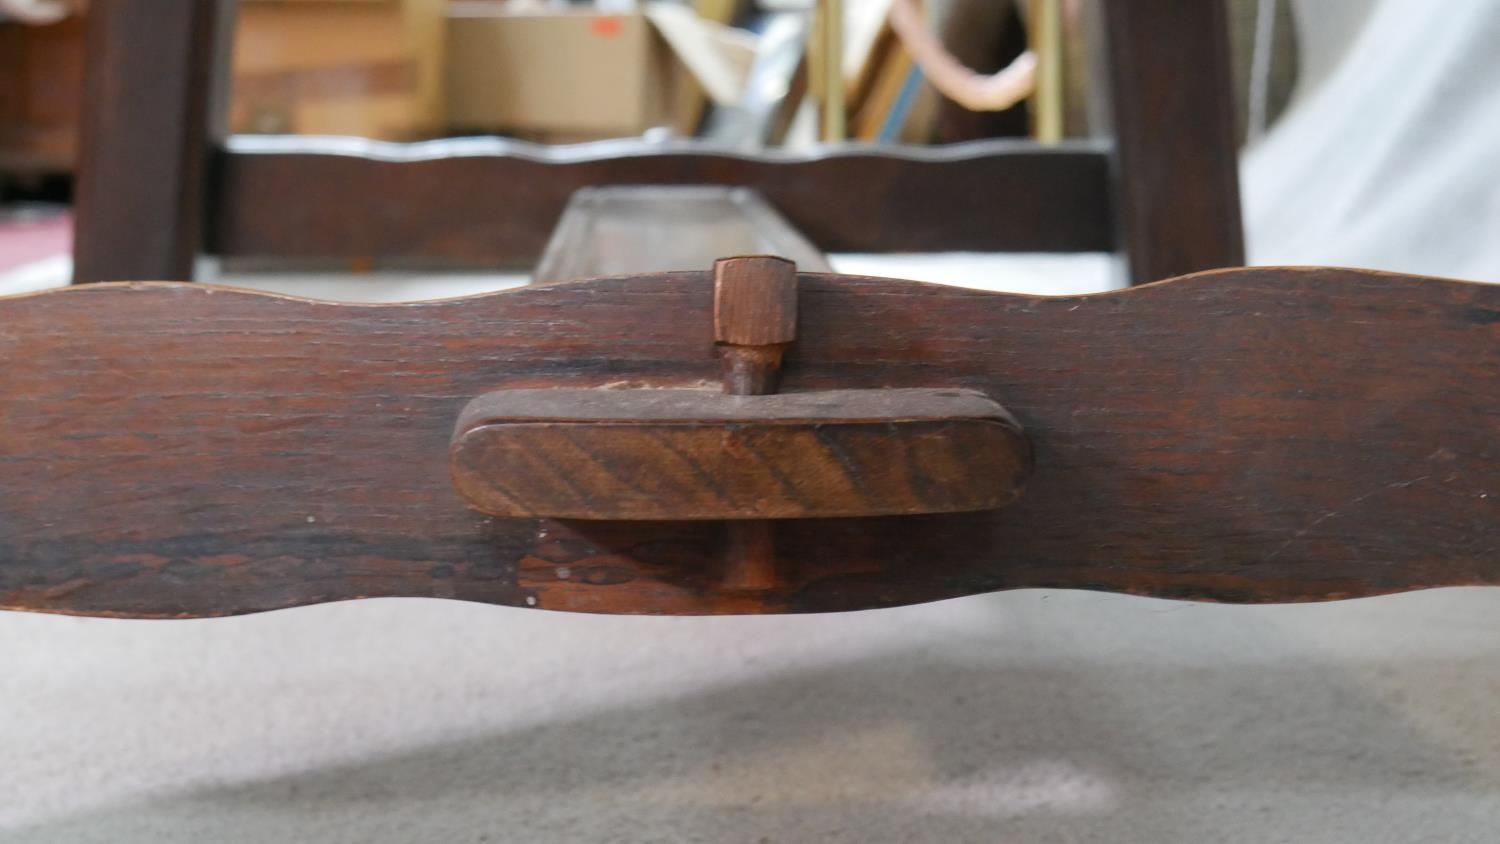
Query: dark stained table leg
[
  {"x": 148, "y": 121},
  {"x": 1177, "y": 198}
]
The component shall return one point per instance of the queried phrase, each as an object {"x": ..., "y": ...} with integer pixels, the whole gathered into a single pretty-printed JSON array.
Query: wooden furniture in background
[
  {"x": 1178, "y": 198},
  {"x": 620, "y": 230},
  {"x": 159, "y": 181}
]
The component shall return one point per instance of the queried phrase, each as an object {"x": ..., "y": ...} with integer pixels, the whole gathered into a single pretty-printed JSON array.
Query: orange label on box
[{"x": 607, "y": 27}]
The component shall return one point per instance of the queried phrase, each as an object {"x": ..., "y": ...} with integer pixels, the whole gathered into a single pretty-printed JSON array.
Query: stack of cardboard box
[
  {"x": 372, "y": 68},
  {"x": 584, "y": 73},
  {"x": 41, "y": 74},
  {"x": 402, "y": 70}
]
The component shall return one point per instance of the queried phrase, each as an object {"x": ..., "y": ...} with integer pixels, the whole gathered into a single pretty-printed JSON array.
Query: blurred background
[
  {"x": 566, "y": 72},
  {"x": 1367, "y": 124},
  {"x": 744, "y": 75},
  {"x": 1371, "y": 134}
]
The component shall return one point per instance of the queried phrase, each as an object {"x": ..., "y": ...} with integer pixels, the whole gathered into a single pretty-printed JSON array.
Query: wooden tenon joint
[
  {"x": 755, "y": 319},
  {"x": 746, "y": 456}
]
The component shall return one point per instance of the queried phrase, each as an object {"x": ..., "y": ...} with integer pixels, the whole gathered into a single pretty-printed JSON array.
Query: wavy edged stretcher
[{"x": 1267, "y": 434}]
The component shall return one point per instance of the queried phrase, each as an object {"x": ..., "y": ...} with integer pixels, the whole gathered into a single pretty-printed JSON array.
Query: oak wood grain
[
  {"x": 755, "y": 320},
  {"x": 755, "y": 301},
  {"x": 695, "y": 454},
  {"x": 1261, "y": 434}
]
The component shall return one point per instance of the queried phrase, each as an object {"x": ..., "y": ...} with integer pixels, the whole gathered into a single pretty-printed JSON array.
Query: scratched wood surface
[{"x": 1242, "y": 435}]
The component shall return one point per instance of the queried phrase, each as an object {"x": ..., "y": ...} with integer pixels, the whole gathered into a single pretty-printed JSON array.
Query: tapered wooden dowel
[{"x": 755, "y": 319}]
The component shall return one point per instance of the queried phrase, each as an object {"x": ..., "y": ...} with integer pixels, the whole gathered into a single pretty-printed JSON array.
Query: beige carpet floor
[{"x": 1025, "y": 717}]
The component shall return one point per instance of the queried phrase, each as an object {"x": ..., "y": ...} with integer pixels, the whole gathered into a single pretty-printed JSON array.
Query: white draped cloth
[{"x": 1389, "y": 157}]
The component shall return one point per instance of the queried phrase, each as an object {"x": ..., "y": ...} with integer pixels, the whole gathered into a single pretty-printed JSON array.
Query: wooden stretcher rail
[
  {"x": 1241, "y": 435},
  {"x": 487, "y": 201}
]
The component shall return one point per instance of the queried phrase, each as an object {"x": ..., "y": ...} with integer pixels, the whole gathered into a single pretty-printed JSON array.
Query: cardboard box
[
  {"x": 371, "y": 68},
  {"x": 41, "y": 80},
  {"x": 563, "y": 74}
]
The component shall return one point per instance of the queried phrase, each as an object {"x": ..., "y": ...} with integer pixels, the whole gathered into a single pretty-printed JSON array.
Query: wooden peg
[
  {"x": 747, "y": 458},
  {"x": 755, "y": 319}
]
